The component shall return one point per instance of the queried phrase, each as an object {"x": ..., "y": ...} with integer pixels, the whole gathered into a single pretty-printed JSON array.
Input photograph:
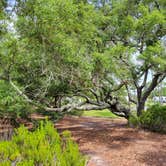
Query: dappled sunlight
[{"x": 114, "y": 142}]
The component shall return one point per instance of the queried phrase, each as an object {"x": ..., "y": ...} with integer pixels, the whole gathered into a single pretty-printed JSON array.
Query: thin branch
[
  {"x": 145, "y": 79},
  {"x": 130, "y": 68},
  {"x": 119, "y": 86},
  {"x": 20, "y": 92},
  {"x": 129, "y": 95},
  {"x": 152, "y": 86},
  {"x": 162, "y": 78},
  {"x": 95, "y": 94}
]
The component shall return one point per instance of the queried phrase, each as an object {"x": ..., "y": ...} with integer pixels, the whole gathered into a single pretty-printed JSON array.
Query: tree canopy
[{"x": 61, "y": 55}]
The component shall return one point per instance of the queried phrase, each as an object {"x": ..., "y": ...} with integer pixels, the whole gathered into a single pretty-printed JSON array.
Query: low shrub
[
  {"x": 133, "y": 121},
  {"x": 42, "y": 147},
  {"x": 154, "y": 118}
]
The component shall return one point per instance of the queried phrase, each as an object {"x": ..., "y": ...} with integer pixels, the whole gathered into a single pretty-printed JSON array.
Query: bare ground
[{"x": 109, "y": 142}]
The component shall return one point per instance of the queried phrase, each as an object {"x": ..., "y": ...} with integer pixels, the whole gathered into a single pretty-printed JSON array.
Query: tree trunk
[
  {"x": 57, "y": 101},
  {"x": 140, "y": 107}
]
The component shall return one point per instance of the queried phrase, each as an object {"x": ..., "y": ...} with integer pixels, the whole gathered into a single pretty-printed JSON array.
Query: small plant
[{"x": 42, "y": 147}]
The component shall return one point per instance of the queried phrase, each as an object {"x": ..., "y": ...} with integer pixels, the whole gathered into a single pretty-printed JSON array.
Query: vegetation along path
[{"x": 109, "y": 142}]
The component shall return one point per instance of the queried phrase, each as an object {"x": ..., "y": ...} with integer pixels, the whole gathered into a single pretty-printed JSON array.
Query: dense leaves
[
  {"x": 61, "y": 54},
  {"x": 44, "y": 147},
  {"x": 154, "y": 118}
]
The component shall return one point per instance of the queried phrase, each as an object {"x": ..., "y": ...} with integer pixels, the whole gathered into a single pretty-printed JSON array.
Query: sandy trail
[{"x": 109, "y": 142}]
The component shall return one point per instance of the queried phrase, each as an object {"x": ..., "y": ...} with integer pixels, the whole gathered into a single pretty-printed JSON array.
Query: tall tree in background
[
  {"x": 134, "y": 37},
  {"x": 148, "y": 42}
]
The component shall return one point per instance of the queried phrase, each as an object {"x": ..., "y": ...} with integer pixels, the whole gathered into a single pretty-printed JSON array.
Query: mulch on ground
[{"x": 110, "y": 142}]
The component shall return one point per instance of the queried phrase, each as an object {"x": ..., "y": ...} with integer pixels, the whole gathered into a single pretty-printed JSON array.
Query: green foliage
[
  {"x": 2, "y": 17},
  {"x": 133, "y": 121},
  {"x": 44, "y": 147},
  {"x": 154, "y": 118},
  {"x": 54, "y": 55},
  {"x": 63, "y": 33},
  {"x": 11, "y": 104},
  {"x": 57, "y": 48}
]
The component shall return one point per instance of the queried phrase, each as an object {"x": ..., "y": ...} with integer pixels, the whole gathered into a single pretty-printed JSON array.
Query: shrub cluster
[
  {"x": 43, "y": 147},
  {"x": 154, "y": 118},
  {"x": 133, "y": 121}
]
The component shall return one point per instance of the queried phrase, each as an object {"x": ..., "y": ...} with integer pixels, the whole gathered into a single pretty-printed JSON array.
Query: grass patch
[{"x": 100, "y": 113}]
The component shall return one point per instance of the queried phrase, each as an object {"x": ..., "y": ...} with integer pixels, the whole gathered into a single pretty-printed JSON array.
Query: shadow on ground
[{"x": 114, "y": 142}]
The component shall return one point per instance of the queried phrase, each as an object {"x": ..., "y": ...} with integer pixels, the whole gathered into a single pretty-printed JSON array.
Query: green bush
[
  {"x": 154, "y": 118},
  {"x": 133, "y": 121},
  {"x": 11, "y": 104},
  {"x": 42, "y": 147}
]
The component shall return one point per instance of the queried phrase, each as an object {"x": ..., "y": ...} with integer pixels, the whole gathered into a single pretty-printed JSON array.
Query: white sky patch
[{"x": 13, "y": 16}]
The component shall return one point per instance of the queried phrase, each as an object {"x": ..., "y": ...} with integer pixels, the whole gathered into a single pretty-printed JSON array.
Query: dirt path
[{"x": 111, "y": 143}]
